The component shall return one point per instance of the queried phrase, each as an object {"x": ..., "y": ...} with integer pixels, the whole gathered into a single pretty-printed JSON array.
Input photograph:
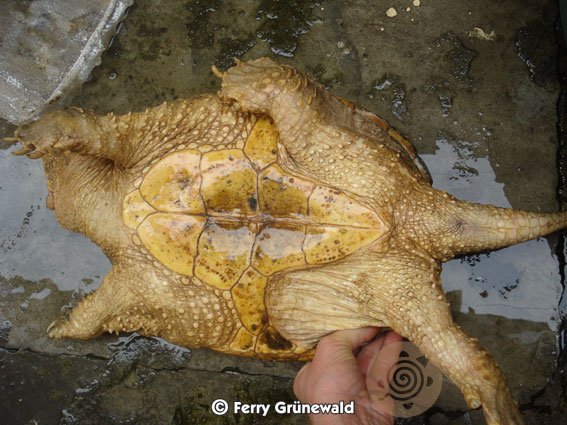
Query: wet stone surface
[{"x": 472, "y": 86}]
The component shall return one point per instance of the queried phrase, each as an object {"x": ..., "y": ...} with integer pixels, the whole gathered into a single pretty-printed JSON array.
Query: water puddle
[
  {"x": 32, "y": 244},
  {"x": 389, "y": 89}
]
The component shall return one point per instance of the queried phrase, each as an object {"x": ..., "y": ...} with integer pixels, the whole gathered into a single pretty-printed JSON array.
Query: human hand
[{"x": 339, "y": 372}]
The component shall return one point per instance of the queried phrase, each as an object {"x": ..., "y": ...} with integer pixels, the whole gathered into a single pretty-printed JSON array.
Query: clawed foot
[
  {"x": 493, "y": 395},
  {"x": 255, "y": 83},
  {"x": 57, "y": 328},
  {"x": 28, "y": 148},
  {"x": 51, "y": 134},
  {"x": 502, "y": 409}
]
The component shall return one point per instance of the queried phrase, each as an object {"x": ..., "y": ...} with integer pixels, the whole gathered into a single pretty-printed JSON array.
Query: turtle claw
[
  {"x": 30, "y": 149},
  {"x": 35, "y": 155},
  {"x": 52, "y": 328},
  {"x": 56, "y": 328},
  {"x": 59, "y": 327},
  {"x": 217, "y": 72},
  {"x": 24, "y": 151}
]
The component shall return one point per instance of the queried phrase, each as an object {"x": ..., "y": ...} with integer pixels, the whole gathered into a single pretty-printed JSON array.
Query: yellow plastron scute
[
  {"x": 330, "y": 206},
  {"x": 224, "y": 253},
  {"x": 229, "y": 183},
  {"x": 135, "y": 209},
  {"x": 172, "y": 239},
  {"x": 330, "y": 243},
  {"x": 283, "y": 195},
  {"x": 271, "y": 341},
  {"x": 243, "y": 341},
  {"x": 278, "y": 247},
  {"x": 173, "y": 184},
  {"x": 248, "y": 296}
]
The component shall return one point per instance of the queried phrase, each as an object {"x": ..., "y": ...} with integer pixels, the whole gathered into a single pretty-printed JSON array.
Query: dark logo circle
[{"x": 406, "y": 387}]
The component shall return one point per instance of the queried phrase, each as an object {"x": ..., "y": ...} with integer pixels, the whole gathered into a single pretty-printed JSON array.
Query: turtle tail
[{"x": 453, "y": 227}]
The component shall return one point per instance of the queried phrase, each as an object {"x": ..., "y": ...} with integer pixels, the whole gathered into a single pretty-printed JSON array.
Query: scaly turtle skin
[{"x": 258, "y": 220}]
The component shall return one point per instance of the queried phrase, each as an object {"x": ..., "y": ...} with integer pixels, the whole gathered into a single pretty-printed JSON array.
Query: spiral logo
[
  {"x": 219, "y": 407},
  {"x": 403, "y": 381},
  {"x": 406, "y": 380}
]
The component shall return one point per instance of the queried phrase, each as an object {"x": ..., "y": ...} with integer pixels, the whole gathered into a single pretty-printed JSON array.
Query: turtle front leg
[
  {"x": 73, "y": 130},
  {"x": 124, "y": 302},
  {"x": 105, "y": 310},
  {"x": 293, "y": 99},
  {"x": 134, "y": 297},
  {"x": 126, "y": 140}
]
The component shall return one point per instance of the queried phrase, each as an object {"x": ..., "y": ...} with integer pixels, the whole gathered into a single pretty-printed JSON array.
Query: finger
[
  {"x": 301, "y": 383},
  {"x": 368, "y": 352},
  {"x": 338, "y": 347},
  {"x": 389, "y": 354},
  {"x": 378, "y": 371},
  {"x": 392, "y": 336},
  {"x": 350, "y": 338}
]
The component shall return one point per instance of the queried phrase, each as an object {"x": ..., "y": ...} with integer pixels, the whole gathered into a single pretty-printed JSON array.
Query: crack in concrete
[
  {"x": 89, "y": 356},
  {"x": 108, "y": 360}
]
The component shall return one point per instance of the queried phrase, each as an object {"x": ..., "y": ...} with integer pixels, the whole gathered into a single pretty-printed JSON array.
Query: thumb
[
  {"x": 381, "y": 365},
  {"x": 301, "y": 386},
  {"x": 379, "y": 372}
]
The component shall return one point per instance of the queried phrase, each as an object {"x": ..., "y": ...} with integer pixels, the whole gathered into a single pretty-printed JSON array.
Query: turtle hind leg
[{"x": 400, "y": 290}]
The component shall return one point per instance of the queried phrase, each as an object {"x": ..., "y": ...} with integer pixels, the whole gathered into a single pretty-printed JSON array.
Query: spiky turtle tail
[
  {"x": 460, "y": 227},
  {"x": 499, "y": 227}
]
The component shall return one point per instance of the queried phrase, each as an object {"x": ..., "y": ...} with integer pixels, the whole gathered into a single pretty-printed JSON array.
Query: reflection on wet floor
[{"x": 32, "y": 244}]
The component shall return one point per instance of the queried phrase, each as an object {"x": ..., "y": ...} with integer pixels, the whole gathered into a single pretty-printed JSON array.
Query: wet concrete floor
[{"x": 474, "y": 87}]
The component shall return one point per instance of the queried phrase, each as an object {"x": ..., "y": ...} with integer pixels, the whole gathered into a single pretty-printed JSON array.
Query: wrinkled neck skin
[{"x": 86, "y": 196}]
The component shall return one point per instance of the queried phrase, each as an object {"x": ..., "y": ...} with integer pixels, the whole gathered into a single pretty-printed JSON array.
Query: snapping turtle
[{"x": 258, "y": 220}]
